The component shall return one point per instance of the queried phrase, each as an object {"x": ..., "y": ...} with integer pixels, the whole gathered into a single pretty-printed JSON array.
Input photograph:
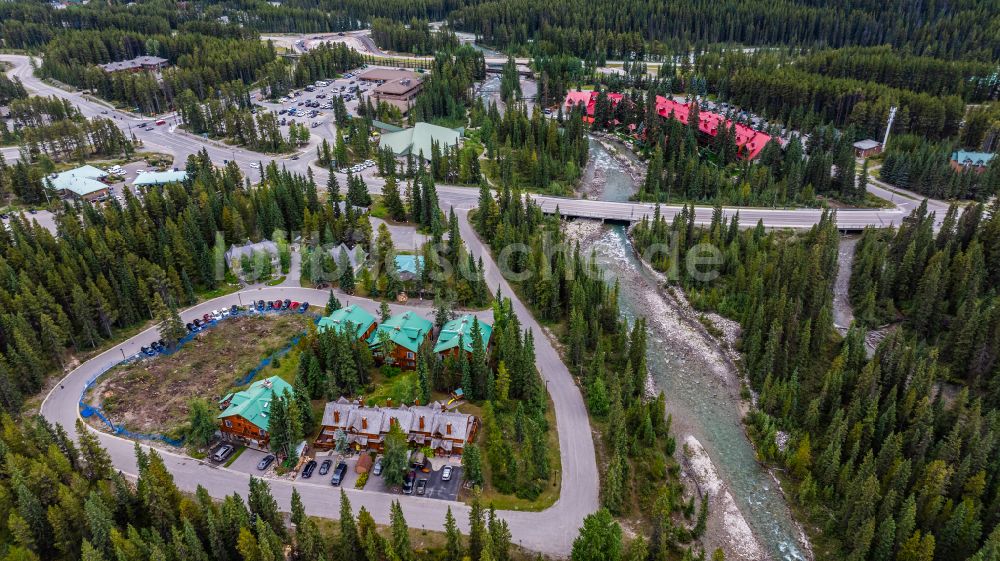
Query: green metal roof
[
  {"x": 406, "y": 330},
  {"x": 80, "y": 181},
  {"x": 418, "y": 139},
  {"x": 353, "y": 315},
  {"x": 975, "y": 158},
  {"x": 408, "y": 263},
  {"x": 160, "y": 177},
  {"x": 459, "y": 330},
  {"x": 253, "y": 403}
]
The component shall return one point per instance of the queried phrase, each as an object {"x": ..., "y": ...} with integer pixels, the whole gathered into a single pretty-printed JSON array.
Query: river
[{"x": 701, "y": 388}]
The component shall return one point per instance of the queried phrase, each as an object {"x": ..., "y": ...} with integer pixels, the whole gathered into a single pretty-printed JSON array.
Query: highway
[
  {"x": 550, "y": 531},
  {"x": 169, "y": 139}
]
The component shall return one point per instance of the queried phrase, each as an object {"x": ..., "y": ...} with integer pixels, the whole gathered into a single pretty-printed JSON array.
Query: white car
[
  {"x": 254, "y": 165},
  {"x": 446, "y": 473}
]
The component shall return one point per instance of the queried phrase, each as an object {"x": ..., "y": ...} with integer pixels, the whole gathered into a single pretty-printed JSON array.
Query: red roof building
[{"x": 749, "y": 141}]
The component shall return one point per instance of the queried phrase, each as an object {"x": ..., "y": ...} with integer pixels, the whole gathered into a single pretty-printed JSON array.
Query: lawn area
[{"x": 152, "y": 395}]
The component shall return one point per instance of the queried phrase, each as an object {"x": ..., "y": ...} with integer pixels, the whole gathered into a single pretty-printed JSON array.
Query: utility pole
[{"x": 888, "y": 126}]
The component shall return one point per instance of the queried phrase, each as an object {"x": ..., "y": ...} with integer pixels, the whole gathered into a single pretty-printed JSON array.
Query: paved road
[
  {"x": 171, "y": 140},
  {"x": 551, "y": 531}
]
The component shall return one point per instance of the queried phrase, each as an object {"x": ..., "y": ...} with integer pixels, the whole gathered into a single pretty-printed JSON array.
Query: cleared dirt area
[{"x": 152, "y": 395}]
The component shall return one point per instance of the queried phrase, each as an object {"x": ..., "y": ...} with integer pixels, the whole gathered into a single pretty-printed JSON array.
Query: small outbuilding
[{"x": 867, "y": 148}]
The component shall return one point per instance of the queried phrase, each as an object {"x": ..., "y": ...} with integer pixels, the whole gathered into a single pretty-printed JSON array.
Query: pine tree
[
  {"x": 201, "y": 422},
  {"x": 600, "y": 539},
  {"x": 349, "y": 540},
  {"x": 453, "y": 545},
  {"x": 400, "y": 533},
  {"x": 391, "y": 199}
]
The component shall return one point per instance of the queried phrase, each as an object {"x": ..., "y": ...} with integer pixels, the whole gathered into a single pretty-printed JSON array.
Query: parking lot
[{"x": 436, "y": 488}]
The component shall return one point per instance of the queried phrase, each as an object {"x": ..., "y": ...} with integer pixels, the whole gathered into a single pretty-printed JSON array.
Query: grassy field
[{"x": 152, "y": 395}]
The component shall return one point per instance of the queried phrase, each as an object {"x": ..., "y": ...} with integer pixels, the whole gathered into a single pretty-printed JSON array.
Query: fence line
[{"x": 87, "y": 410}]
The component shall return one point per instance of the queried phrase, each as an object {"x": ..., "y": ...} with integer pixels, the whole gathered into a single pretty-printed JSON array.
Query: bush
[{"x": 362, "y": 480}]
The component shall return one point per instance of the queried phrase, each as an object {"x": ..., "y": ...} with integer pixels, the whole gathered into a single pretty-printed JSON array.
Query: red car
[
  {"x": 294, "y": 306},
  {"x": 161, "y": 122},
  {"x": 206, "y": 318},
  {"x": 277, "y": 304}
]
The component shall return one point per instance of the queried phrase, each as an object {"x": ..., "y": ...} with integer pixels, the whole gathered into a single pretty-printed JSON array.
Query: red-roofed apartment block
[{"x": 749, "y": 141}]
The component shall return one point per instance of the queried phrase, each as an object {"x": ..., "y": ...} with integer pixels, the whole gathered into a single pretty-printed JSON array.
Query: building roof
[
  {"x": 397, "y": 87},
  {"x": 355, "y": 258},
  {"x": 406, "y": 330},
  {"x": 459, "y": 331},
  {"x": 160, "y": 177},
  {"x": 133, "y": 63},
  {"x": 972, "y": 158},
  {"x": 253, "y": 403},
  {"x": 867, "y": 144},
  {"x": 749, "y": 141},
  {"x": 81, "y": 181},
  {"x": 417, "y": 139},
  {"x": 238, "y": 251},
  {"x": 408, "y": 264},
  {"x": 351, "y": 315},
  {"x": 386, "y": 74},
  {"x": 433, "y": 420}
]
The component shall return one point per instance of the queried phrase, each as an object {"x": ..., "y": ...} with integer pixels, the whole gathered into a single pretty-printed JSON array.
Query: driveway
[{"x": 247, "y": 462}]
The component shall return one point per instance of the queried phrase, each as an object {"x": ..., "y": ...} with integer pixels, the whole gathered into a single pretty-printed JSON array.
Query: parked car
[
  {"x": 421, "y": 486},
  {"x": 377, "y": 468},
  {"x": 338, "y": 474},
  {"x": 294, "y": 306},
  {"x": 265, "y": 462},
  {"x": 286, "y": 304},
  {"x": 446, "y": 473},
  {"x": 324, "y": 468},
  {"x": 223, "y": 452},
  {"x": 411, "y": 476},
  {"x": 304, "y": 306},
  {"x": 190, "y": 327},
  {"x": 309, "y": 469},
  {"x": 234, "y": 309}
]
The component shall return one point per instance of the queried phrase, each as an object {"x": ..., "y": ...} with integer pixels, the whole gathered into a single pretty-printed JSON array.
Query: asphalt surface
[
  {"x": 171, "y": 140},
  {"x": 551, "y": 531}
]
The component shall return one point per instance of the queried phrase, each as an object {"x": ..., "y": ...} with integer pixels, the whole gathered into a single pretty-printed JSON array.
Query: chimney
[
  {"x": 416, "y": 402},
  {"x": 388, "y": 402},
  {"x": 364, "y": 423},
  {"x": 421, "y": 422},
  {"x": 448, "y": 429},
  {"x": 336, "y": 416}
]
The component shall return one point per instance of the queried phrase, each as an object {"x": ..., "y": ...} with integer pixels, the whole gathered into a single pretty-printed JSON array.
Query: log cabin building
[
  {"x": 365, "y": 428},
  {"x": 245, "y": 416},
  {"x": 405, "y": 333}
]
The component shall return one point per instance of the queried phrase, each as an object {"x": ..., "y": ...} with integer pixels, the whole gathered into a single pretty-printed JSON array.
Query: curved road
[
  {"x": 171, "y": 140},
  {"x": 550, "y": 531}
]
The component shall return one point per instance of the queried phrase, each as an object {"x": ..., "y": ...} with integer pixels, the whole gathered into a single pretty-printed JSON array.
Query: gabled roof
[
  {"x": 353, "y": 315},
  {"x": 355, "y": 258},
  {"x": 160, "y": 177},
  {"x": 238, "y": 251},
  {"x": 418, "y": 139},
  {"x": 459, "y": 331},
  {"x": 972, "y": 158},
  {"x": 406, "y": 330},
  {"x": 253, "y": 403},
  {"x": 80, "y": 181},
  {"x": 867, "y": 144},
  {"x": 408, "y": 263}
]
